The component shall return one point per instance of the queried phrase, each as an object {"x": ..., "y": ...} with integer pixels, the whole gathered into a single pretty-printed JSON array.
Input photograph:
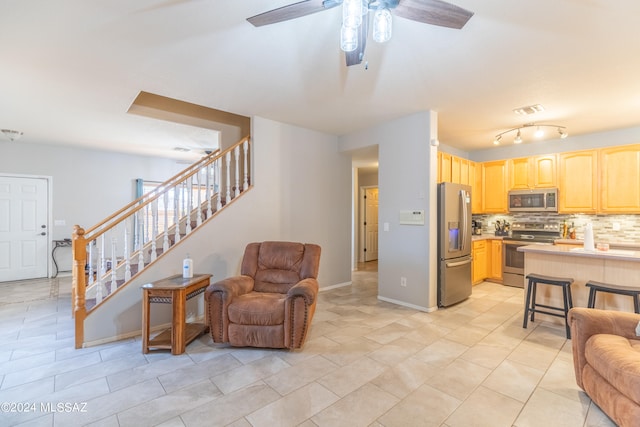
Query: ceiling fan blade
[
  {"x": 434, "y": 12},
  {"x": 355, "y": 57},
  {"x": 292, "y": 11}
]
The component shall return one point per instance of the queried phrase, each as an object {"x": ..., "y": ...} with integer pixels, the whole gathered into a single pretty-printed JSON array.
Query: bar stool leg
[
  {"x": 527, "y": 304},
  {"x": 592, "y": 298},
  {"x": 636, "y": 304},
  {"x": 568, "y": 303},
  {"x": 533, "y": 300}
]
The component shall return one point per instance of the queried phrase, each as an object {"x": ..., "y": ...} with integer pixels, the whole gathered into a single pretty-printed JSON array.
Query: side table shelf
[{"x": 174, "y": 290}]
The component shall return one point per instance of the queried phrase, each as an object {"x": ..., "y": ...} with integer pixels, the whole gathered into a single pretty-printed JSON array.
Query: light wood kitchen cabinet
[
  {"x": 494, "y": 187},
  {"x": 532, "y": 172},
  {"x": 464, "y": 172},
  {"x": 444, "y": 166},
  {"x": 544, "y": 171},
  {"x": 475, "y": 180},
  {"x": 496, "y": 260},
  {"x": 455, "y": 169},
  {"x": 620, "y": 179},
  {"x": 578, "y": 182},
  {"x": 479, "y": 263}
]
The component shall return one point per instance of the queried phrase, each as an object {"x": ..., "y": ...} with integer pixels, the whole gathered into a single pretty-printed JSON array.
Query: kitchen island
[{"x": 615, "y": 266}]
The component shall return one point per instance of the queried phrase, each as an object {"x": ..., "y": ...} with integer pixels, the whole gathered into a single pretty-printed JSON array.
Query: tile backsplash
[{"x": 603, "y": 225}]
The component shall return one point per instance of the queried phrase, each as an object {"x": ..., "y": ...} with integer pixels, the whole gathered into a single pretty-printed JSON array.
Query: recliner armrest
[
  {"x": 307, "y": 288},
  {"x": 232, "y": 286}
]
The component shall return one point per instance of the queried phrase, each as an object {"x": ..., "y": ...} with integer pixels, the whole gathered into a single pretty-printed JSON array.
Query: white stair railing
[{"x": 150, "y": 226}]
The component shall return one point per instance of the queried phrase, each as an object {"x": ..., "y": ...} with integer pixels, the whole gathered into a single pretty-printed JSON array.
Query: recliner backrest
[{"x": 277, "y": 266}]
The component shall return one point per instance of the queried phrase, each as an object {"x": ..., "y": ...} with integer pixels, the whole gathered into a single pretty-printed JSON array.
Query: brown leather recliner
[
  {"x": 272, "y": 302},
  {"x": 606, "y": 357}
]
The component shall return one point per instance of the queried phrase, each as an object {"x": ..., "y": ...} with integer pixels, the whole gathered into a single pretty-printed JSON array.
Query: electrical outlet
[{"x": 403, "y": 282}]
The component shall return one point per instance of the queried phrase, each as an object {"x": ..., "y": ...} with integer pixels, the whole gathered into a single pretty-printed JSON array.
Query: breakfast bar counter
[{"x": 615, "y": 266}]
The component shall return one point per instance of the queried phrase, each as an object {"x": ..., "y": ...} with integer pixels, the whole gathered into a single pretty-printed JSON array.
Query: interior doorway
[
  {"x": 24, "y": 227},
  {"x": 370, "y": 224}
]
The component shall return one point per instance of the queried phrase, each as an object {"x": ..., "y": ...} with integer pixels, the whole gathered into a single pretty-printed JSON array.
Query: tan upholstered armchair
[
  {"x": 272, "y": 302},
  {"x": 606, "y": 357}
]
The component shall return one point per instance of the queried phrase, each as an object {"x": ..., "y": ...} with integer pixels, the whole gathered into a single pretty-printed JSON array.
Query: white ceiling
[{"x": 70, "y": 69}]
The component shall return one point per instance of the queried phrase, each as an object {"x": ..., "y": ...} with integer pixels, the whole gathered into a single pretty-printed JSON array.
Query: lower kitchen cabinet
[
  {"x": 496, "y": 260},
  {"x": 479, "y": 263}
]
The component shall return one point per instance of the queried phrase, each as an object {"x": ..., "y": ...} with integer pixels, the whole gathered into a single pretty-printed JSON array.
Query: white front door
[
  {"x": 24, "y": 228},
  {"x": 371, "y": 224}
]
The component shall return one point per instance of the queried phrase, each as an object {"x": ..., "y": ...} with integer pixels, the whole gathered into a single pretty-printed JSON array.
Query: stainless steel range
[{"x": 522, "y": 234}]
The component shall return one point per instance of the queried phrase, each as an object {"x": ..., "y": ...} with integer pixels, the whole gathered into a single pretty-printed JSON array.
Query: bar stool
[
  {"x": 531, "y": 307},
  {"x": 595, "y": 287}
]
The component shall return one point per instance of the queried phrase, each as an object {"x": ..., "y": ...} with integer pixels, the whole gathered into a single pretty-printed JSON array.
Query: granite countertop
[
  {"x": 485, "y": 236},
  {"x": 612, "y": 245},
  {"x": 618, "y": 254}
]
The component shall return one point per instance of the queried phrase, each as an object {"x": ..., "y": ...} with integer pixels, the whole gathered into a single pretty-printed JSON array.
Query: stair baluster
[
  {"x": 140, "y": 239},
  {"x": 217, "y": 186},
  {"x": 228, "y": 175},
  {"x": 154, "y": 229},
  {"x": 236, "y": 155},
  {"x": 114, "y": 263},
  {"x": 245, "y": 169},
  {"x": 199, "y": 203},
  {"x": 126, "y": 254},
  {"x": 165, "y": 217}
]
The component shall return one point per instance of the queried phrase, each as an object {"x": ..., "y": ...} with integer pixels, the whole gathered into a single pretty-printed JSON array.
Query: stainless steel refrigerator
[{"x": 454, "y": 243}]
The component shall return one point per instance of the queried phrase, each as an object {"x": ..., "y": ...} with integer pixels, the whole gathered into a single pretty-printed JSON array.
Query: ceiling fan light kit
[
  {"x": 353, "y": 33},
  {"x": 539, "y": 133}
]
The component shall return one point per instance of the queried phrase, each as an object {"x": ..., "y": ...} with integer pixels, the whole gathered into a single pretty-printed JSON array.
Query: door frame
[
  {"x": 49, "y": 181},
  {"x": 362, "y": 235}
]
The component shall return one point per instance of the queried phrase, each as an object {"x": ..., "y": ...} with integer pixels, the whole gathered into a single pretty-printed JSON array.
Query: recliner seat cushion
[
  {"x": 258, "y": 308},
  {"x": 617, "y": 360}
]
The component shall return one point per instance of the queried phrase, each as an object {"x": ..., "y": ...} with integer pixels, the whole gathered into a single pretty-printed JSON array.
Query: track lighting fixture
[{"x": 539, "y": 133}]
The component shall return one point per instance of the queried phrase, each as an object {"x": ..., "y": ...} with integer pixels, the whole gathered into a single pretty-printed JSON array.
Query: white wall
[
  {"x": 301, "y": 193},
  {"x": 406, "y": 182}
]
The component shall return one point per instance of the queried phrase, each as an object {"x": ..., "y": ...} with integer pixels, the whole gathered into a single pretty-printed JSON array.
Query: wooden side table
[{"x": 174, "y": 290}]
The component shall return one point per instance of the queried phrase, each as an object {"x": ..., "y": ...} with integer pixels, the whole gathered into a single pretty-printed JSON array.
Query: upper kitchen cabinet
[
  {"x": 532, "y": 172},
  {"x": 578, "y": 182},
  {"x": 620, "y": 179},
  {"x": 475, "y": 180},
  {"x": 444, "y": 167},
  {"x": 494, "y": 187},
  {"x": 453, "y": 169}
]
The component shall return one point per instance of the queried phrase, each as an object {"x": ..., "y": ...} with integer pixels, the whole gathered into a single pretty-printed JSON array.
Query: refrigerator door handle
[
  {"x": 458, "y": 263},
  {"x": 463, "y": 221}
]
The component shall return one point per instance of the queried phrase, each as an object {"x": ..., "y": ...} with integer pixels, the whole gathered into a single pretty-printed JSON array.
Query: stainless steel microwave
[{"x": 538, "y": 200}]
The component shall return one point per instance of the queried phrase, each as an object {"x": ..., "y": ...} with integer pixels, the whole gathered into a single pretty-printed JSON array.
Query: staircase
[{"x": 107, "y": 256}]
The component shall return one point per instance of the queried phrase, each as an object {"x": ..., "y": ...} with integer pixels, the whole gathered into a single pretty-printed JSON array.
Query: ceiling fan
[{"x": 433, "y": 12}]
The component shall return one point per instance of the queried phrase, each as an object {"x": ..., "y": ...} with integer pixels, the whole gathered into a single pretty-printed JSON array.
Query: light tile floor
[{"x": 366, "y": 363}]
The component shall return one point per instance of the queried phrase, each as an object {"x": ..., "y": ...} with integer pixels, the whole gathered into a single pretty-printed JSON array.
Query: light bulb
[
  {"x": 352, "y": 13},
  {"x": 518, "y": 138},
  {"x": 348, "y": 38},
  {"x": 496, "y": 141},
  {"x": 382, "y": 25},
  {"x": 562, "y": 133},
  {"x": 539, "y": 133}
]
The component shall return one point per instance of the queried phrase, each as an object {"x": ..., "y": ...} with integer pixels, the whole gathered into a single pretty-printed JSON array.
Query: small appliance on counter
[
  {"x": 476, "y": 227},
  {"x": 502, "y": 228}
]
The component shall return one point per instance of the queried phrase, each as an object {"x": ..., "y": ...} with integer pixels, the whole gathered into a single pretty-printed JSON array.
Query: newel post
[{"x": 79, "y": 285}]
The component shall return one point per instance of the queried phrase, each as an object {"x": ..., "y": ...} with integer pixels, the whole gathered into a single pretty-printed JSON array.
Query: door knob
[{"x": 43, "y": 234}]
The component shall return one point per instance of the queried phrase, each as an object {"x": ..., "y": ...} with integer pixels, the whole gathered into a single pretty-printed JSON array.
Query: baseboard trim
[
  {"x": 405, "y": 304},
  {"x": 339, "y": 285}
]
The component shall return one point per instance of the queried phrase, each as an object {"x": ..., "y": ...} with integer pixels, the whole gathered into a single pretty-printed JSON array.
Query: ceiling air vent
[{"x": 529, "y": 109}]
